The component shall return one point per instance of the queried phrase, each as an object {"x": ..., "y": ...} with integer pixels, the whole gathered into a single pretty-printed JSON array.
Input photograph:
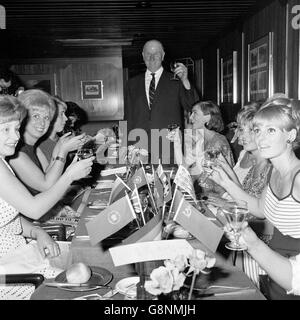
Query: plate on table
[
  {"x": 99, "y": 277},
  {"x": 127, "y": 286}
]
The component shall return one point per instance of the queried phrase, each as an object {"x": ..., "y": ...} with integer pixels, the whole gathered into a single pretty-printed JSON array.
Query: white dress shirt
[{"x": 148, "y": 78}]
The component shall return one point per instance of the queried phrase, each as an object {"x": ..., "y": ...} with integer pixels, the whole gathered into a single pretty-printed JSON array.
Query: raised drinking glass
[
  {"x": 235, "y": 214},
  {"x": 85, "y": 153},
  {"x": 173, "y": 66}
]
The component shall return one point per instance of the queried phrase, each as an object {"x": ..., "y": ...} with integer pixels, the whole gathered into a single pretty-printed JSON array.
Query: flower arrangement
[{"x": 171, "y": 277}]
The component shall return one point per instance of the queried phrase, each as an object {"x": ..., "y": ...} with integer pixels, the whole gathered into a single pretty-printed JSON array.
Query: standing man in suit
[{"x": 164, "y": 105}]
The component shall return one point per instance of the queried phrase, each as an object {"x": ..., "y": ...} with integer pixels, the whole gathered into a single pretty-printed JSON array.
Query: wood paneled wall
[
  {"x": 68, "y": 74},
  {"x": 272, "y": 18}
]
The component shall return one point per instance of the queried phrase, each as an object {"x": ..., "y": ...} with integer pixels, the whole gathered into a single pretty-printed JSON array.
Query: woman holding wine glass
[
  {"x": 15, "y": 229},
  {"x": 276, "y": 130},
  {"x": 202, "y": 142},
  {"x": 52, "y": 143},
  {"x": 29, "y": 162},
  {"x": 252, "y": 173}
]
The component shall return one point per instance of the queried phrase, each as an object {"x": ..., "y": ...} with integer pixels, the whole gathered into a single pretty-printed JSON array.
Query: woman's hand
[
  {"x": 249, "y": 237},
  {"x": 69, "y": 143},
  {"x": 219, "y": 176},
  {"x": 79, "y": 169},
  {"x": 47, "y": 246},
  {"x": 223, "y": 163}
]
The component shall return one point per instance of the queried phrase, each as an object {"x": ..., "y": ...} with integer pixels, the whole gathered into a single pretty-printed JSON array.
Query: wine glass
[
  {"x": 207, "y": 166},
  {"x": 173, "y": 66},
  {"x": 85, "y": 153},
  {"x": 171, "y": 130},
  {"x": 235, "y": 213}
]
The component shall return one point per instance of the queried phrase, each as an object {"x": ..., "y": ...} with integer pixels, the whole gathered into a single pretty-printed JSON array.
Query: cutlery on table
[
  {"x": 226, "y": 287},
  {"x": 68, "y": 285},
  {"x": 227, "y": 293}
]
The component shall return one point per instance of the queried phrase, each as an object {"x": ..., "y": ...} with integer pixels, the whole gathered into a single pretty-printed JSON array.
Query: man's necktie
[{"x": 151, "y": 90}]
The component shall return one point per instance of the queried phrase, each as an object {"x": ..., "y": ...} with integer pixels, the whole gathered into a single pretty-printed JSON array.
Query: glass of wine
[
  {"x": 208, "y": 162},
  {"x": 85, "y": 153},
  {"x": 235, "y": 214},
  {"x": 171, "y": 130},
  {"x": 173, "y": 66}
]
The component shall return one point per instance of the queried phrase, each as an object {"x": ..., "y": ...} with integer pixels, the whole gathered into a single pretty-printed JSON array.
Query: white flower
[
  {"x": 161, "y": 281},
  {"x": 199, "y": 261},
  {"x": 171, "y": 276}
]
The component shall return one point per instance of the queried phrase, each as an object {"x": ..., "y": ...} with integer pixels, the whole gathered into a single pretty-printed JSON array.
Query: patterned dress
[
  {"x": 11, "y": 238},
  {"x": 255, "y": 186}
]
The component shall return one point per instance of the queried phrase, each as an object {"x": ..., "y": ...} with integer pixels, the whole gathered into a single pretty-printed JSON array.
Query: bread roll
[{"x": 78, "y": 273}]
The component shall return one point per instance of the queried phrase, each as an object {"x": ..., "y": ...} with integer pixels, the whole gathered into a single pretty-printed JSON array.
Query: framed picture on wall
[
  {"x": 260, "y": 69},
  {"x": 229, "y": 78},
  {"x": 92, "y": 90},
  {"x": 46, "y": 82}
]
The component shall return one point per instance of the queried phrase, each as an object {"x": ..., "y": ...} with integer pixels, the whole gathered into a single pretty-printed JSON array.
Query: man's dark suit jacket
[{"x": 170, "y": 100}]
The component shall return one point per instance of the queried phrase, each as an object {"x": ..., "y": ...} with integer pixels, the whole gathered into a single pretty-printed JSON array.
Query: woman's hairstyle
[
  {"x": 246, "y": 114},
  {"x": 59, "y": 102},
  {"x": 284, "y": 116},
  {"x": 73, "y": 109},
  {"x": 37, "y": 98},
  {"x": 11, "y": 109},
  {"x": 216, "y": 122}
]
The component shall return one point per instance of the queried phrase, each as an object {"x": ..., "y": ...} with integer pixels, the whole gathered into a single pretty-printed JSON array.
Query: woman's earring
[{"x": 289, "y": 141}]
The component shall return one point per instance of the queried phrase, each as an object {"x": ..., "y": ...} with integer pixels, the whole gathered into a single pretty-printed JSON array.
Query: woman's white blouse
[{"x": 295, "y": 262}]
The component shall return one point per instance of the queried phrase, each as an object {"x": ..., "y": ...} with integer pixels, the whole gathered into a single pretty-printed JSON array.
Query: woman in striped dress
[
  {"x": 276, "y": 129},
  {"x": 252, "y": 172}
]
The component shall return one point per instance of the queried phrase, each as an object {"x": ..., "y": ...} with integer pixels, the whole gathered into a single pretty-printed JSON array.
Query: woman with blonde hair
[
  {"x": 276, "y": 132},
  {"x": 29, "y": 162},
  {"x": 15, "y": 199}
]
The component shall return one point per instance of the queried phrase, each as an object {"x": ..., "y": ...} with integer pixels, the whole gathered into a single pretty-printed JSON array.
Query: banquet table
[{"x": 98, "y": 255}]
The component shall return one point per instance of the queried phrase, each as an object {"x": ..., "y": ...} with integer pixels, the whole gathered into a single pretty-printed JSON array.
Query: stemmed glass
[
  {"x": 85, "y": 153},
  {"x": 173, "y": 66},
  {"x": 208, "y": 162},
  {"x": 235, "y": 213},
  {"x": 171, "y": 130}
]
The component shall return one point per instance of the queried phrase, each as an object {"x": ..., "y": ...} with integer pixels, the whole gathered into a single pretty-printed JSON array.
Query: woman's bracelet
[{"x": 63, "y": 160}]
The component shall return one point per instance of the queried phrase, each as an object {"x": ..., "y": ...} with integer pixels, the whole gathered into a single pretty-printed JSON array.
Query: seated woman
[
  {"x": 202, "y": 135},
  {"x": 15, "y": 198},
  {"x": 276, "y": 132},
  {"x": 49, "y": 141},
  {"x": 29, "y": 163},
  {"x": 76, "y": 117},
  {"x": 252, "y": 173}
]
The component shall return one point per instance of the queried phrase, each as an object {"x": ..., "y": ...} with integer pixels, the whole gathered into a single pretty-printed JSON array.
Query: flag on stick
[
  {"x": 175, "y": 203},
  {"x": 150, "y": 191},
  {"x": 184, "y": 181},
  {"x": 158, "y": 192},
  {"x": 138, "y": 179},
  {"x": 110, "y": 220},
  {"x": 137, "y": 206},
  {"x": 149, "y": 232},
  {"x": 198, "y": 225},
  {"x": 166, "y": 183},
  {"x": 118, "y": 190}
]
